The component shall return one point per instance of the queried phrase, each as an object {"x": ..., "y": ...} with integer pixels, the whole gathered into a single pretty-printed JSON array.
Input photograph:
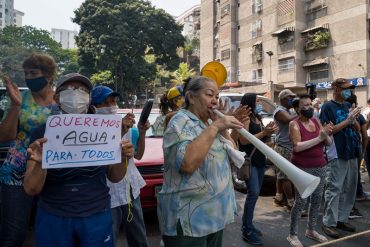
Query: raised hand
[
  {"x": 242, "y": 114},
  {"x": 270, "y": 128},
  {"x": 127, "y": 122},
  {"x": 35, "y": 150},
  {"x": 143, "y": 127},
  {"x": 127, "y": 149},
  {"x": 227, "y": 122},
  {"x": 13, "y": 91}
]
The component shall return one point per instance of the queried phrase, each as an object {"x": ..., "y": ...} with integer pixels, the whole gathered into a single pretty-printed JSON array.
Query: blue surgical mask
[
  {"x": 36, "y": 84},
  {"x": 290, "y": 102},
  {"x": 346, "y": 93},
  {"x": 259, "y": 108}
]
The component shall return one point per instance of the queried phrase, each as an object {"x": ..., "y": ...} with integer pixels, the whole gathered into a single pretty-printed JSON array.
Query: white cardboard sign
[{"x": 79, "y": 140}]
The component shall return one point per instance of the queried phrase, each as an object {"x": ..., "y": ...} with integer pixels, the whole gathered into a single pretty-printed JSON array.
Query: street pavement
[{"x": 273, "y": 221}]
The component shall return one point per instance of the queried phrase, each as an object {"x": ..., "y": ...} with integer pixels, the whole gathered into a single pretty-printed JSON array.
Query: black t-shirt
[
  {"x": 345, "y": 140},
  {"x": 258, "y": 158},
  {"x": 73, "y": 192}
]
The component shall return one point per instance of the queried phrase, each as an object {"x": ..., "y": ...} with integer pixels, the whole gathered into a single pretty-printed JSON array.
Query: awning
[
  {"x": 325, "y": 26},
  {"x": 324, "y": 60},
  {"x": 257, "y": 43},
  {"x": 283, "y": 30}
]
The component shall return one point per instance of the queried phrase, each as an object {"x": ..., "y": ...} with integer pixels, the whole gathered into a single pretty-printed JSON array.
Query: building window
[
  {"x": 256, "y": 29},
  {"x": 320, "y": 75},
  {"x": 256, "y": 6},
  {"x": 257, "y": 76},
  {"x": 225, "y": 10},
  {"x": 286, "y": 64},
  {"x": 225, "y": 54},
  {"x": 316, "y": 13}
]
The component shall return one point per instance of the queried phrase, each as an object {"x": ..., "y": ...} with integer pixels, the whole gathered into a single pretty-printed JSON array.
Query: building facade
[
  {"x": 7, "y": 13},
  {"x": 65, "y": 37},
  {"x": 190, "y": 20},
  {"x": 269, "y": 45},
  {"x": 18, "y": 18}
]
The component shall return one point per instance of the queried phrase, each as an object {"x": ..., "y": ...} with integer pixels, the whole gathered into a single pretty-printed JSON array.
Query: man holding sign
[{"x": 68, "y": 170}]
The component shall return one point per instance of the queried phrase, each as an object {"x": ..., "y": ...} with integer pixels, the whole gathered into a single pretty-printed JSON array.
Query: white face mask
[
  {"x": 74, "y": 101},
  {"x": 107, "y": 110}
]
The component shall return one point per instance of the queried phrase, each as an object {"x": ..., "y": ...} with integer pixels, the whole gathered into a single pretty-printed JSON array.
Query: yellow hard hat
[{"x": 174, "y": 92}]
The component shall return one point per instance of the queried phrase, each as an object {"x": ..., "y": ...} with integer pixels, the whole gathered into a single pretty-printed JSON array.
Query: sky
[{"x": 47, "y": 14}]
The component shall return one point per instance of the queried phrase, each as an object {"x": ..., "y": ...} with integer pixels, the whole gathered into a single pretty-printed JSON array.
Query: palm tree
[{"x": 181, "y": 74}]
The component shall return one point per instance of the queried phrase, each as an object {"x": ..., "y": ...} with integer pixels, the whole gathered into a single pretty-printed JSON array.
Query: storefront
[{"x": 324, "y": 90}]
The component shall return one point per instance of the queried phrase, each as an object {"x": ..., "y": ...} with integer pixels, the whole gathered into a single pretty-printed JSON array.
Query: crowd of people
[{"x": 87, "y": 206}]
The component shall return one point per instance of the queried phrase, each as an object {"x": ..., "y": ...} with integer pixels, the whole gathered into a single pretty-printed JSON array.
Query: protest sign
[{"x": 79, "y": 140}]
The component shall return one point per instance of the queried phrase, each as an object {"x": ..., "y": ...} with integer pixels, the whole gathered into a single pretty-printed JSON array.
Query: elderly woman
[
  {"x": 197, "y": 199},
  {"x": 26, "y": 112},
  {"x": 308, "y": 138}
]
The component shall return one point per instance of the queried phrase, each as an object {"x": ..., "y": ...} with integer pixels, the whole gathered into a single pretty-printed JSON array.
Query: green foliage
[
  {"x": 116, "y": 35},
  {"x": 102, "y": 77},
  {"x": 17, "y": 43},
  {"x": 182, "y": 73},
  {"x": 319, "y": 39}
]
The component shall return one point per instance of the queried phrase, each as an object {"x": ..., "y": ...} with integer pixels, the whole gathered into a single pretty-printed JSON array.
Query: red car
[{"x": 151, "y": 164}]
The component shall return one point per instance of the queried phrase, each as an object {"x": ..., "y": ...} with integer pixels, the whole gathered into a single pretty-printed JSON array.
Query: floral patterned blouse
[
  {"x": 204, "y": 202},
  {"x": 31, "y": 116}
]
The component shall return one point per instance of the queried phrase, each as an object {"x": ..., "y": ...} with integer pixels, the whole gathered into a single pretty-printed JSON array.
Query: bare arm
[
  {"x": 141, "y": 142},
  {"x": 35, "y": 176},
  {"x": 197, "y": 150},
  {"x": 117, "y": 172},
  {"x": 10, "y": 124},
  {"x": 284, "y": 117},
  {"x": 364, "y": 138},
  {"x": 295, "y": 136}
]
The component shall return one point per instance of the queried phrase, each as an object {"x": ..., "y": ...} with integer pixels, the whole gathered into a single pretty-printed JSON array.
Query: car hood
[{"x": 153, "y": 154}]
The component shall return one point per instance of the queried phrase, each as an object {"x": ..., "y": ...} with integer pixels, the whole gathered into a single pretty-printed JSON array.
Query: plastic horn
[{"x": 304, "y": 182}]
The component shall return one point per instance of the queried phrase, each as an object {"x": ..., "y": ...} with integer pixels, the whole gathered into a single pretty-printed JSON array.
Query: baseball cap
[
  {"x": 74, "y": 77},
  {"x": 174, "y": 92},
  {"x": 286, "y": 93},
  {"x": 342, "y": 83},
  {"x": 100, "y": 93}
]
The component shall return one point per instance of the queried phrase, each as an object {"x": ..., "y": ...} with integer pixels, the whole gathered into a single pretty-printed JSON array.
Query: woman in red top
[{"x": 308, "y": 138}]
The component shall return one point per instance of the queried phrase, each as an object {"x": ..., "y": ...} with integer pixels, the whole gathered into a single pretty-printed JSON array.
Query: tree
[
  {"x": 116, "y": 35},
  {"x": 102, "y": 77},
  {"x": 17, "y": 43},
  {"x": 182, "y": 73}
]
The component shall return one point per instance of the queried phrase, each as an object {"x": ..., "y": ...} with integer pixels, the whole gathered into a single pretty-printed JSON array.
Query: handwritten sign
[{"x": 79, "y": 140}]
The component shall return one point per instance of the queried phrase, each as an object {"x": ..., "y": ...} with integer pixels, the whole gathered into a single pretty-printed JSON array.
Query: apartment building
[
  {"x": 18, "y": 18},
  {"x": 6, "y": 12},
  {"x": 190, "y": 20},
  {"x": 269, "y": 45},
  {"x": 65, "y": 37}
]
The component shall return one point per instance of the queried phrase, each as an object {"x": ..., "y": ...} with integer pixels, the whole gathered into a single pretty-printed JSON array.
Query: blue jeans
[
  {"x": 135, "y": 229},
  {"x": 95, "y": 230},
  {"x": 254, "y": 187},
  {"x": 15, "y": 211}
]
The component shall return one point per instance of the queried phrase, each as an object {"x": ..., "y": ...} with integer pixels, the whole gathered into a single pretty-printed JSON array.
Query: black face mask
[
  {"x": 307, "y": 113},
  {"x": 36, "y": 84}
]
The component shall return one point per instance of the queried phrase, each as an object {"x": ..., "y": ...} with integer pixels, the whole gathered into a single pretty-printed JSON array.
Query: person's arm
[
  {"x": 295, "y": 137},
  {"x": 284, "y": 117},
  {"x": 141, "y": 141},
  {"x": 268, "y": 131},
  {"x": 9, "y": 125},
  {"x": 35, "y": 176},
  {"x": 118, "y": 171},
  {"x": 197, "y": 150},
  {"x": 351, "y": 119},
  {"x": 364, "y": 138}
]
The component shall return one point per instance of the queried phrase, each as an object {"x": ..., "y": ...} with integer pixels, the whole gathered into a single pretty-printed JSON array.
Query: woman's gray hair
[{"x": 193, "y": 86}]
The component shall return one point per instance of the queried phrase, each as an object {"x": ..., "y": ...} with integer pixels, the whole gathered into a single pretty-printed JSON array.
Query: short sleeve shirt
[
  {"x": 203, "y": 202},
  {"x": 345, "y": 140},
  {"x": 282, "y": 136},
  {"x": 31, "y": 116}
]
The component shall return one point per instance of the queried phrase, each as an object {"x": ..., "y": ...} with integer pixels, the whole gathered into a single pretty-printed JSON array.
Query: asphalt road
[{"x": 274, "y": 222}]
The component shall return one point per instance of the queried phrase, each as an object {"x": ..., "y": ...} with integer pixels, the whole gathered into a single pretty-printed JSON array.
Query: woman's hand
[
  {"x": 127, "y": 149},
  {"x": 227, "y": 122},
  {"x": 270, "y": 129},
  {"x": 143, "y": 127},
  {"x": 35, "y": 150},
  {"x": 127, "y": 122},
  {"x": 242, "y": 115},
  {"x": 326, "y": 131},
  {"x": 13, "y": 91}
]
